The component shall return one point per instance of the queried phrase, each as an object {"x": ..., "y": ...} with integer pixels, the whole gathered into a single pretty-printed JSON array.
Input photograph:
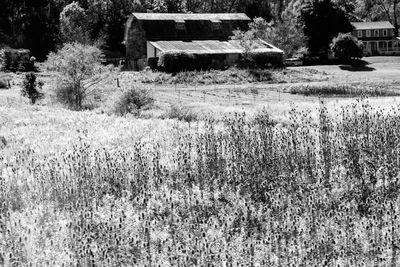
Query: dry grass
[
  {"x": 298, "y": 183},
  {"x": 348, "y": 90},
  {"x": 229, "y": 76},
  {"x": 87, "y": 189}
]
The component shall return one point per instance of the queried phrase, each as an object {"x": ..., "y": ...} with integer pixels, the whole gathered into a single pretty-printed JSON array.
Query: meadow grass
[
  {"x": 229, "y": 76},
  {"x": 348, "y": 90},
  {"x": 240, "y": 190}
]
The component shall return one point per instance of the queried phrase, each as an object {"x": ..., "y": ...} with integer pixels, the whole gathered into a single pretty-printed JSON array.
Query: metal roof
[
  {"x": 193, "y": 16},
  {"x": 211, "y": 47},
  {"x": 373, "y": 25}
]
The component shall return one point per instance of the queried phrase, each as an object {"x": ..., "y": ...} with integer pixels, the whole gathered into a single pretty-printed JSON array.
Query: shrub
[
  {"x": 79, "y": 69},
  {"x": 176, "y": 61},
  {"x": 133, "y": 100},
  {"x": 260, "y": 75},
  {"x": 347, "y": 47},
  {"x": 181, "y": 113},
  {"x": 15, "y": 60},
  {"x": 30, "y": 88},
  {"x": 265, "y": 59}
]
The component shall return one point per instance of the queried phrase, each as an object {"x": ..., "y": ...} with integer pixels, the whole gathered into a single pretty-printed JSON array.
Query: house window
[
  {"x": 376, "y": 33},
  {"x": 359, "y": 34},
  {"x": 384, "y": 32},
  {"x": 368, "y": 33}
]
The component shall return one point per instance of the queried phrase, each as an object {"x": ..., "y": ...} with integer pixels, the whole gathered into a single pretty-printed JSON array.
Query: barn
[{"x": 148, "y": 35}]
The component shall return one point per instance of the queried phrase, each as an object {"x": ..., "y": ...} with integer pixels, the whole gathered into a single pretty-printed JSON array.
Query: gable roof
[
  {"x": 372, "y": 25},
  {"x": 192, "y": 16}
]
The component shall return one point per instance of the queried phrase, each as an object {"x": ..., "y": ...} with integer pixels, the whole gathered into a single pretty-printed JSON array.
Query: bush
[
  {"x": 134, "y": 100},
  {"x": 265, "y": 59},
  {"x": 79, "y": 69},
  {"x": 15, "y": 60},
  {"x": 30, "y": 88},
  {"x": 176, "y": 61},
  {"x": 181, "y": 113},
  {"x": 347, "y": 47}
]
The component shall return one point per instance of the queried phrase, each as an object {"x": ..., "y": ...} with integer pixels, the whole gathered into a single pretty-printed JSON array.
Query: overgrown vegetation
[
  {"x": 342, "y": 90},
  {"x": 230, "y": 76},
  {"x": 181, "y": 113},
  {"x": 133, "y": 100},
  {"x": 242, "y": 192},
  {"x": 346, "y": 47},
  {"x": 31, "y": 88},
  {"x": 16, "y": 60},
  {"x": 79, "y": 70}
]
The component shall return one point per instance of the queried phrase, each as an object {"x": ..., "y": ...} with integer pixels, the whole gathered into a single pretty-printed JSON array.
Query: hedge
[
  {"x": 182, "y": 61},
  {"x": 265, "y": 59},
  {"x": 176, "y": 61}
]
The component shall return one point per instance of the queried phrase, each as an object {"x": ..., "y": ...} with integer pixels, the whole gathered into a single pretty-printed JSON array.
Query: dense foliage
[
  {"x": 74, "y": 24},
  {"x": 246, "y": 192},
  {"x": 36, "y": 25},
  {"x": 31, "y": 88},
  {"x": 16, "y": 60},
  {"x": 346, "y": 47},
  {"x": 176, "y": 61},
  {"x": 133, "y": 100},
  {"x": 323, "y": 20},
  {"x": 79, "y": 69}
]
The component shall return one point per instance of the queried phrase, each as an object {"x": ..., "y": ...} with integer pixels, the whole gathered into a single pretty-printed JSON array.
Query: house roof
[
  {"x": 193, "y": 16},
  {"x": 373, "y": 25},
  {"x": 211, "y": 47}
]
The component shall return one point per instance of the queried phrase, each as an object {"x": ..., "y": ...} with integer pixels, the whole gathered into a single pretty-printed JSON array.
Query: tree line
[{"x": 37, "y": 25}]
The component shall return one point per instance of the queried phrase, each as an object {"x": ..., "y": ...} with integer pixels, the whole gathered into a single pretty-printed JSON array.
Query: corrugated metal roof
[
  {"x": 211, "y": 47},
  {"x": 195, "y": 16},
  {"x": 372, "y": 25}
]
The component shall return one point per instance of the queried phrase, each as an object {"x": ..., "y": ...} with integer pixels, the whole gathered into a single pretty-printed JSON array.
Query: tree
[
  {"x": 246, "y": 40},
  {"x": 73, "y": 24},
  {"x": 347, "y": 47},
  {"x": 79, "y": 69},
  {"x": 286, "y": 33},
  {"x": 323, "y": 20},
  {"x": 382, "y": 9},
  {"x": 29, "y": 24}
]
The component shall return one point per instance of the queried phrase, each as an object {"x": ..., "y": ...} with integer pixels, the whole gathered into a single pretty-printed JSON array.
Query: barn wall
[
  {"x": 150, "y": 50},
  {"x": 135, "y": 42}
]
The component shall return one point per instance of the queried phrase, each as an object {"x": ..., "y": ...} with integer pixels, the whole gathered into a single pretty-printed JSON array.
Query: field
[{"x": 269, "y": 174}]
